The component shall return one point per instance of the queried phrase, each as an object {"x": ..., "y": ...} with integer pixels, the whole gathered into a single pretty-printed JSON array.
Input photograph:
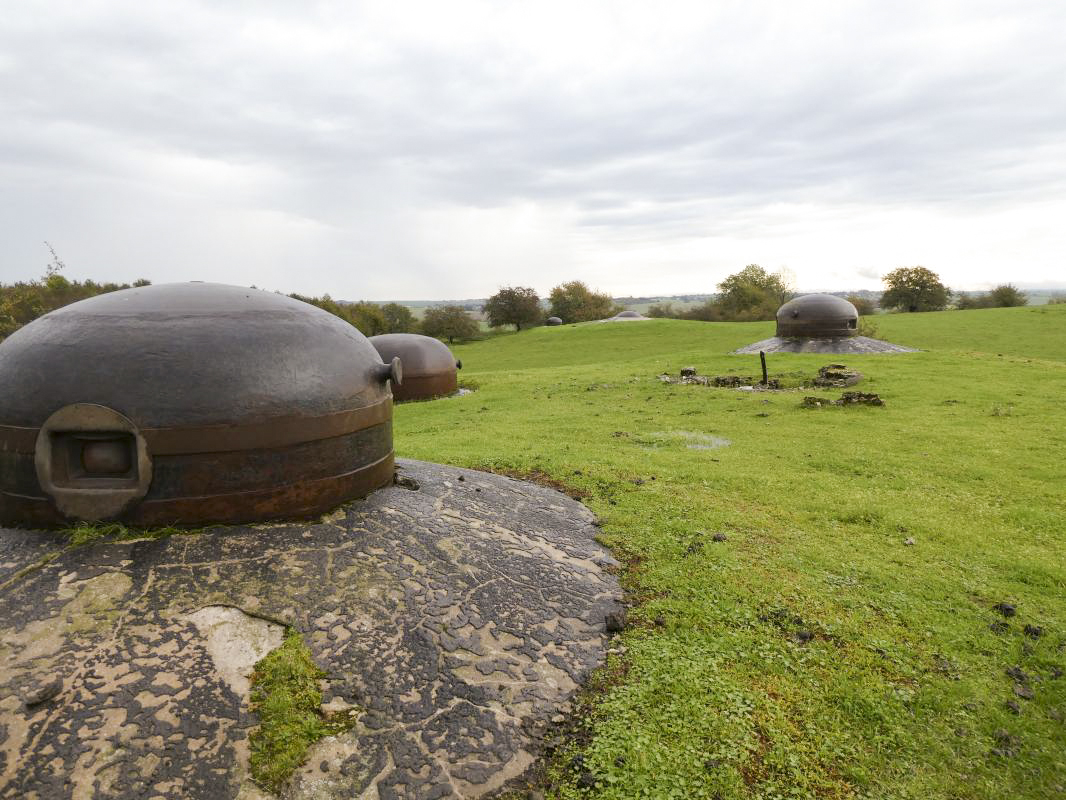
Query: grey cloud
[{"x": 351, "y": 132}]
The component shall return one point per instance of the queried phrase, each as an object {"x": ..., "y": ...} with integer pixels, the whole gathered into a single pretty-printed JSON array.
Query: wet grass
[
  {"x": 287, "y": 698},
  {"x": 847, "y": 638}
]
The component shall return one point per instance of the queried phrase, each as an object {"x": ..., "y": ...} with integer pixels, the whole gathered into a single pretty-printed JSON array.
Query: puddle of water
[{"x": 691, "y": 439}]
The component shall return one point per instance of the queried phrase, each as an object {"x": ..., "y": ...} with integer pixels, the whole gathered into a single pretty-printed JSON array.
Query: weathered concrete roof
[
  {"x": 455, "y": 618},
  {"x": 852, "y": 344}
]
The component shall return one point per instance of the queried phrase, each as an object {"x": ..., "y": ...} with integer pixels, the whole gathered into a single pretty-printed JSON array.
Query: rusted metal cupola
[
  {"x": 188, "y": 404},
  {"x": 817, "y": 316},
  {"x": 554, "y": 321},
  {"x": 429, "y": 367}
]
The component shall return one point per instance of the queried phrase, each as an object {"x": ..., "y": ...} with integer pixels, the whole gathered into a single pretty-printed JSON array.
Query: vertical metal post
[{"x": 762, "y": 358}]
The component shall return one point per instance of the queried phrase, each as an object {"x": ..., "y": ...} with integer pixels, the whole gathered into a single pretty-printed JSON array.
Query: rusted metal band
[
  {"x": 426, "y": 387},
  {"x": 269, "y": 433},
  {"x": 294, "y": 501},
  {"x": 18, "y": 440}
]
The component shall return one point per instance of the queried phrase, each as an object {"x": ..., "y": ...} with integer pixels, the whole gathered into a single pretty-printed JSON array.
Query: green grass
[
  {"x": 813, "y": 653},
  {"x": 287, "y": 698}
]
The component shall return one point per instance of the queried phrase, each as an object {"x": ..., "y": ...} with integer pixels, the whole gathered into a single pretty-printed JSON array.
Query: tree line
[
  {"x": 22, "y": 302},
  {"x": 750, "y": 294}
]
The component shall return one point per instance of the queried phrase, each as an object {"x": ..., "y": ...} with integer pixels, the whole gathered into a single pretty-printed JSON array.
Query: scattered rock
[
  {"x": 999, "y": 627},
  {"x": 1023, "y": 691},
  {"x": 586, "y": 781},
  {"x": 802, "y": 637},
  {"x": 615, "y": 621},
  {"x": 720, "y": 537},
  {"x": 407, "y": 483},
  {"x": 1017, "y": 674},
  {"x": 909, "y": 541},
  {"x": 688, "y": 372},
  {"x": 860, "y": 399},
  {"x": 837, "y": 375},
  {"x": 1006, "y": 745},
  {"x": 1013, "y": 707},
  {"x": 712, "y": 764},
  {"x": 1006, "y": 609},
  {"x": 42, "y": 692},
  {"x": 1033, "y": 631},
  {"x": 731, "y": 381},
  {"x": 816, "y": 402},
  {"x": 660, "y": 621}
]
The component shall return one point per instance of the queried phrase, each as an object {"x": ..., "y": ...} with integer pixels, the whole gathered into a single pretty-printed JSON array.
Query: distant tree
[
  {"x": 1003, "y": 296},
  {"x": 1006, "y": 296},
  {"x": 662, "y": 310},
  {"x": 914, "y": 289},
  {"x": 449, "y": 322},
  {"x": 968, "y": 302},
  {"x": 513, "y": 305},
  {"x": 864, "y": 305},
  {"x": 398, "y": 318},
  {"x": 751, "y": 294},
  {"x": 367, "y": 317},
  {"x": 25, "y": 301},
  {"x": 364, "y": 316},
  {"x": 575, "y": 302},
  {"x": 707, "y": 311}
]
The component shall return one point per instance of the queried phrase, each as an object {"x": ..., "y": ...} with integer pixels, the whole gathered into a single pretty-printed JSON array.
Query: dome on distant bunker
[
  {"x": 186, "y": 404},
  {"x": 429, "y": 367},
  {"x": 554, "y": 321},
  {"x": 626, "y": 316},
  {"x": 817, "y": 316}
]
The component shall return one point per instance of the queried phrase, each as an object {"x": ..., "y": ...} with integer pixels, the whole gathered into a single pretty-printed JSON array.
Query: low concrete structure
[
  {"x": 453, "y": 618},
  {"x": 626, "y": 316}
]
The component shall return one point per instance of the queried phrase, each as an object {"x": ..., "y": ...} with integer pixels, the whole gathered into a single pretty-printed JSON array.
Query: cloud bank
[{"x": 441, "y": 150}]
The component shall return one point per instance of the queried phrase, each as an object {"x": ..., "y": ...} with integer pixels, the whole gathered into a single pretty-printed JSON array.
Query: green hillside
[{"x": 843, "y": 641}]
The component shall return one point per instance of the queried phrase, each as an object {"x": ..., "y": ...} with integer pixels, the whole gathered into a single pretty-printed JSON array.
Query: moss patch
[
  {"x": 286, "y": 696},
  {"x": 90, "y": 532}
]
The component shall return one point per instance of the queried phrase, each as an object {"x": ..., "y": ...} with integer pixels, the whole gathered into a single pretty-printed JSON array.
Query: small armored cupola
[
  {"x": 429, "y": 367},
  {"x": 817, "y": 316},
  {"x": 188, "y": 404},
  {"x": 554, "y": 321}
]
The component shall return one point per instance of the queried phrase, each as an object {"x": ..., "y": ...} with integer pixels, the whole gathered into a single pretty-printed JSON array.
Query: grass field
[{"x": 843, "y": 641}]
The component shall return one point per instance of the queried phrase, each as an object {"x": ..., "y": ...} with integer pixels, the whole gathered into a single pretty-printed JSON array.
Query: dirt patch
[
  {"x": 836, "y": 376},
  {"x": 846, "y": 399}
]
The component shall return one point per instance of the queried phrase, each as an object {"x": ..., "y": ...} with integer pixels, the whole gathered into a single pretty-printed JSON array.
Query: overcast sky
[{"x": 420, "y": 150}]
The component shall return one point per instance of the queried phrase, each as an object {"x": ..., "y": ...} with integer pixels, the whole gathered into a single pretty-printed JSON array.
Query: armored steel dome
[
  {"x": 554, "y": 321},
  {"x": 429, "y": 368},
  {"x": 817, "y": 316},
  {"x": 189, "y": 403},
  {"x": 629, "y": 315}
]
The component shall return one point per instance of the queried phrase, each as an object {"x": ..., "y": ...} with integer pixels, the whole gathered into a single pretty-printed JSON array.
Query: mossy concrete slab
[{"x": 456, "y": 618}]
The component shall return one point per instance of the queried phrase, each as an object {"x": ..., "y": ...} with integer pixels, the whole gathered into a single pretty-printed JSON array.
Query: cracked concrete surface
[{"x": 456, "y": 618}]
